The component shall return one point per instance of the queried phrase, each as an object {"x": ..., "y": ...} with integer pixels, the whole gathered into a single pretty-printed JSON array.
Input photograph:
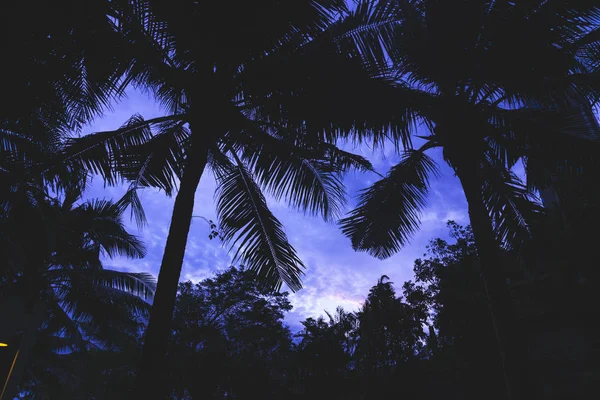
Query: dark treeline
[
  {"x": 432, "y": 338},
  {"x": 229, "y": 341},
  {"x": 267, "y": 95}
]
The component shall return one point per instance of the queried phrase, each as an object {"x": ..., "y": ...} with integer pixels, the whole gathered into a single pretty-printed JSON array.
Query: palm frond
[
  {"x": 22, "y": 146},
  {"x": 307, "y": 90},
  {"x": 58, "y": 322},
  {"x": 246, "y": 221},
  {"x": 547, "y": 140},
  {"x": 101, "y": 220},
  {"x": 132, "y": 200},
  {"x": 59, "y": 79},
  {"x": 310, "y": 185},
  {"x": 140, "y": 284},
  {"x": 305, "y": 176},
  {"x": 98, "y": 152},
  {"x": 513, "y": 208},
  {"x": 387, "y": 214},
  {"x": 83, "y": 299},
  {"x": 157, "y": 162},
  {"x": 86, "y": 299},
  {"x": 346, "y": 161},
  {"x": 73, "y": 254},
  {"x": 371, "y": 30}
]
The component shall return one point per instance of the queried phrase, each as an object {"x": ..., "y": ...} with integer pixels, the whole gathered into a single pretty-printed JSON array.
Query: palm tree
[
  {"x": 57, "y": 84},
  {"x": 68, "y": 63},
  {"x": 259, "y": 94},
  {"x": 60, "y": 286},
  {"x": 88, "y": 316},
  {"x": 494, "y": 83}
]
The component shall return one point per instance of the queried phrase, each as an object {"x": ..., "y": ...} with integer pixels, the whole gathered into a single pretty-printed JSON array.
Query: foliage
[
  {"x": 324, "y": 358},
  {"x": 229, "y": 338},
  {"x": 435, "y": 340},
  {"x": 261, "y": 93},
  {"x": 448, "y": 286},
  {"x": 467, "y": 82},
  {"x": 257, "y": 100},
  {"x": 59, "y": 266}
]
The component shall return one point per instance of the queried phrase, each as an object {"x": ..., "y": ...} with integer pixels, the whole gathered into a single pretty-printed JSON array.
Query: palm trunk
[
  {"x": 150, "y": 382},
  {"x": 494, "y": 278}
]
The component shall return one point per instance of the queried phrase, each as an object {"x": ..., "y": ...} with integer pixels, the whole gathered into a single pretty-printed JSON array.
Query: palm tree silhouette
[
  {"x": 60, "y": 287},
  {"x": 258, "y": 93},
  {"x": 493, "y": 83}
]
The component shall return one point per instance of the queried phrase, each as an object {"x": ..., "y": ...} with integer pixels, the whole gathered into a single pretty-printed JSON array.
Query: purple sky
[{"x": 335, "y": 274}]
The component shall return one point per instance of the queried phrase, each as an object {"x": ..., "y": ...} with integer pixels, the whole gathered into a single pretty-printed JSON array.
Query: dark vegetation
[
  {"x": 430, "y": 338},
  {"x": 264, "y": 94}
]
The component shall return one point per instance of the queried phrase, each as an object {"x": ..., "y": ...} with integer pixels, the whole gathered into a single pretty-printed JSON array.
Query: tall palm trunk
[
  {"x": 494, "y": 278},
  {"x": 150, "y": 382}
]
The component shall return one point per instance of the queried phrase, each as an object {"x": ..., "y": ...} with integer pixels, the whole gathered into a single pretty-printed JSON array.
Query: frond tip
[
  {"x": 246, "y": 221},
  {"x": 512, "y": 207},
  {"x": 388, "y": 212}
]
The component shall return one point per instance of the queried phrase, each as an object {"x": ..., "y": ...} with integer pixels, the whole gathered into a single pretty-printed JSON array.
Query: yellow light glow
[{"x": 3, "y": 345}]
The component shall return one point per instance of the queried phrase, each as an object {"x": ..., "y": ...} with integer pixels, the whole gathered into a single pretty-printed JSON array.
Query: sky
[{"x": 335, "y": 275}]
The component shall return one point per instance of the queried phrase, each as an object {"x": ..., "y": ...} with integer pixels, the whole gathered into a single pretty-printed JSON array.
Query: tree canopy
[{"x": 265, "y": 95}]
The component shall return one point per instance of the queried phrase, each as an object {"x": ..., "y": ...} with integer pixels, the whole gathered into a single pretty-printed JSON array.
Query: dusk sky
[{"x": 335, "y": 274}]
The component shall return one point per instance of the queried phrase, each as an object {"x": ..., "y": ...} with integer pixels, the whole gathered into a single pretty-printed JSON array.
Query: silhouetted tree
[
  {"x": 458, "y": 75},
  {"x": 259, "y": 107},
  {"x": 559, "y": 328},
  {"x": 324, "y": 361},
  {"x": 450, "y": 287},
  {"x": 56, "y": 287},
  {"x": 262, "y": 92},
  {"x": 389, "y": 341},
  {"x": 229, "y": 339}
]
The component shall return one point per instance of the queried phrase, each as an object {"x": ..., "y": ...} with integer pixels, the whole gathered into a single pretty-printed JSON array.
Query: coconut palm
[
  {"x": 86, "y": 313},
  {"x": 57, "y": 284},
  {"x": 53, "y": 287},
  {"x": 258, "y": 93},
  {"x": 493, "y": 83},
  {"x": 68, "y": 65}
]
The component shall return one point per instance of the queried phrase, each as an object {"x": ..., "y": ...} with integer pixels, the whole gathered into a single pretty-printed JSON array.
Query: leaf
[
  {"x": 548, "y": 141},
  {"x": 157, "y": 162},
  {"x": 305, "y": 172},
  {"x": 246, "y": 221},
  {"x": 99, "y": 152},
  {"x": 512, "y": 207},
  {"x": 312, "y": 185},
  {"x": 59, "y": 322},
  {"x": 371, "y": 28},
  {"x": 387, "y": 214},
  {"x": 306, "y": 89},
  {"x": 140, "y": 284},
  {"x": 88, "y": 296},
  {"x": 101, "y": 221},
  {"x": 132, "y": 200}
]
